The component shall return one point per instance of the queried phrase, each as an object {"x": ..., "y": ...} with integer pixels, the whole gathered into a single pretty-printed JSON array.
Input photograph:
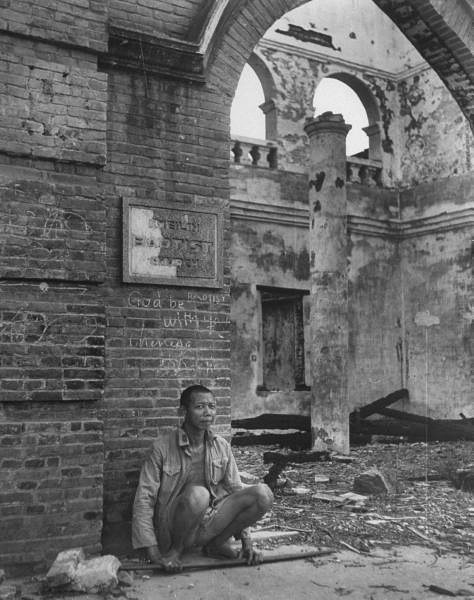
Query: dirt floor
[
  {"x": 402, "y": 572},
  {"x": 414, "y": 543}
]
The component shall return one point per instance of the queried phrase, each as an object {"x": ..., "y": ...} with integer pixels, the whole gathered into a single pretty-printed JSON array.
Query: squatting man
[{"x": 190, "y": 493}]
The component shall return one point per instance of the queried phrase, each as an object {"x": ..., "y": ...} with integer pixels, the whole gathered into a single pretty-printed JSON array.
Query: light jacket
[{"x": 163, "y": 476}]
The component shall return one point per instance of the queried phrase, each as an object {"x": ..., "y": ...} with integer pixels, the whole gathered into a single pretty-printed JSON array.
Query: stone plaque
[{"x": 170, "y": 245}]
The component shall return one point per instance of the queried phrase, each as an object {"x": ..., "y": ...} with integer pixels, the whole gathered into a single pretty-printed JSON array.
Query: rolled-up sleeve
[{"x": 143, "y": 531}]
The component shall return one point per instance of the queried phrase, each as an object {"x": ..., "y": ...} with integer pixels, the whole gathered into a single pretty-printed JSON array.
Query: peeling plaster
[{"x": 435, "y": 141}]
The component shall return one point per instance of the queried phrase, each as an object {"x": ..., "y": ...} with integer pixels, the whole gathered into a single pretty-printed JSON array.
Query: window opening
[
  {"x": 283, "y": 351},
  {"x": 246, "y": 116},
  {"x": 336, "y": 96}
]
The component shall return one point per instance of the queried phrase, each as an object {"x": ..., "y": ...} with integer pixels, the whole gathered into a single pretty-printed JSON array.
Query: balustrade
[
  {"x": 255, "y": 153},
  {"x": 263, "y": 153},
  {"x": 364, "y": 171}
]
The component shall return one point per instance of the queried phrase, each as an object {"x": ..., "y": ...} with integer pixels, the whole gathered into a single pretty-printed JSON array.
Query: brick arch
[{"x": 442, "y": 38}]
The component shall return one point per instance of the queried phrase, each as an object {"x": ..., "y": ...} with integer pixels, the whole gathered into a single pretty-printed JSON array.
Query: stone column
[{"x": 328, "y": 268}]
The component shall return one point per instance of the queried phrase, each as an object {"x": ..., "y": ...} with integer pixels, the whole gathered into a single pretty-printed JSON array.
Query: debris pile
[{"x": 423, "y": 500}]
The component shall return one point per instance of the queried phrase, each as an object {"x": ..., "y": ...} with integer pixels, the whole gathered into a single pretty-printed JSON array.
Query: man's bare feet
[{"x": 225, "y": 550}]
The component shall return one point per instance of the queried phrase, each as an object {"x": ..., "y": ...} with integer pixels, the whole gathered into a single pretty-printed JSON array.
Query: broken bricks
[
  {"x": 71, "y": 571},
  {"x": 63, "y": 569},
  {"x": 96, "y": 574}
]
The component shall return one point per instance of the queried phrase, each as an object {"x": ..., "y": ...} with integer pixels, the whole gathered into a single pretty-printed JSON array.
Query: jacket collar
[{"x": 183, "y": 439}]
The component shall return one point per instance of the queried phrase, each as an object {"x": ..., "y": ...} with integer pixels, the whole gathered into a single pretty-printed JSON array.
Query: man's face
[{"x": 201, "y": 411}]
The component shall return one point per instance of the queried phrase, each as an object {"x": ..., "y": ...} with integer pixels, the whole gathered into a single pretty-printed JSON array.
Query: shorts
[{"x": 209, "y": 525}]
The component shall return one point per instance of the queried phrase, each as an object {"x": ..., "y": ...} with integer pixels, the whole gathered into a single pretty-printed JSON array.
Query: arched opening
[
  {"x": 246, "y": 117},
  {"x": 333, "y": 94}
]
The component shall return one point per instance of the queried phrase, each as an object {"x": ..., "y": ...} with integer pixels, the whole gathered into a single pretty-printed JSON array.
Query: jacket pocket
[
  {"x": 218, "y": 467},
  {"x": 169, "y": 479}
]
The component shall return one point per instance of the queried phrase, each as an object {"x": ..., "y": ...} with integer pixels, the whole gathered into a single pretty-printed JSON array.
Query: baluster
[
  {"x": 349, "y": 172},
  {"x": 237, "y": 152},
  {"x": 377, "y": 176},
  {"x": 272, "y": 158},
  {"x": 363, "y": 175},
  {"x": 255, "y": 154}
]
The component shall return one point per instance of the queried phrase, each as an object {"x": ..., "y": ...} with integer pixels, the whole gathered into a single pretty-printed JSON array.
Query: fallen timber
[
  {"x": 399, "y": 424},
  {"x": 417, "y": 429}
]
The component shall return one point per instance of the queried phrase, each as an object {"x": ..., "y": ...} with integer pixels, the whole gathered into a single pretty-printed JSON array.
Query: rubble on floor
[
  {"x": 372, "y": 481},
  {"x": 430, "y": 503},
  {"x": 424, "y": 505},
  {"x": 71, "y": 571}
]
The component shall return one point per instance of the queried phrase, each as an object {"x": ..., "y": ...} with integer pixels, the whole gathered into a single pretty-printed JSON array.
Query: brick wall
[
  {"x": 50, "y": 229},
  {"x": 50, "y": 488},
  {"x": 171, "y": 18},
  {"x": 166, "y": 142},
  {"x": 53, "y": 104},
  {"x": 66, "y": 21}
]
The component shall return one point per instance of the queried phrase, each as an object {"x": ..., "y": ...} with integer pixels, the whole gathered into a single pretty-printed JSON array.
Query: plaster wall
[
  {"x": 437, "y": 270},
  {"x": 263, "y": 254},
  {"x": 436, "y": 140},
  {"x": 375, "y": 312},
  {"x": 397, "y": 280}
]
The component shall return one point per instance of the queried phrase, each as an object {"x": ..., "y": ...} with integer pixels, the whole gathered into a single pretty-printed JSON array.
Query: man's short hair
[{"x": 187, "y": 394}]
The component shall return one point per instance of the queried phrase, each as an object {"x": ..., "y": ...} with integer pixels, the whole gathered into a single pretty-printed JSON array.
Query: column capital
[
  {"x": 267, "y": 106},
  {"x": 371, "y": 129},
  {"x": 328, "y": 122}
]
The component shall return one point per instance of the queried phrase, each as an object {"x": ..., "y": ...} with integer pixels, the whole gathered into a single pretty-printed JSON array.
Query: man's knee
[
  {"x": 263, "y": 496},
  {"x": 194, "y": 498}
]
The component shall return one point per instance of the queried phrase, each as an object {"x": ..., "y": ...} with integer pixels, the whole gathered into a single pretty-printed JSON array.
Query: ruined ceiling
[{"x": 441, "y": 31}]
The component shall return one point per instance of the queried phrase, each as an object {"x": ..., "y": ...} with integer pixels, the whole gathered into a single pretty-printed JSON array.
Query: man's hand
[
  {"x": 253, "y": 556},
  {"x": 170, "y": 562}
]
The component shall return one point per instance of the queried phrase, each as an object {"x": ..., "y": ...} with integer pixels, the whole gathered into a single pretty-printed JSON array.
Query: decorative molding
[
  {"x": 148, "y": 54},
  {"x": 338, "y": 61},
  {"x": 291, "y": 216},
  {"x": 410, "y": 228}
]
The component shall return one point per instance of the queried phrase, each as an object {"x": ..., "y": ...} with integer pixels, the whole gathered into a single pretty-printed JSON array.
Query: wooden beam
[
  {"x": 274, "y": 421},
  {"x": 373, "y": 407}
]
